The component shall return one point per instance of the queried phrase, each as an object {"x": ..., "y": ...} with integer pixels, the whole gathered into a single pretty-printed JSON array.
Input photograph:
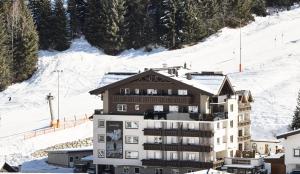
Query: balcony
[
  {"x": 244, "y": 123},
  {"x": 244, "y": 107},
  {"x": 182, "y": 163},
  {"x": 178, "y": 132},
  {"x": 244, "y": 138},
  {"x": 151, "y": 99},
  {"x": 177, "y": 147}
]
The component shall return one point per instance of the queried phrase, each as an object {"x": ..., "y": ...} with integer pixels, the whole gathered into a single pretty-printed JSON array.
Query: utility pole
[{"x": 58, "y": 72}]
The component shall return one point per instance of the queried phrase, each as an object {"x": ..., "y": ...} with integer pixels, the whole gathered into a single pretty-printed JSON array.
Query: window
[
  {"x": 191, "y": 126},
  {"x": 218, "y": 125},
  {"x": 122, "y": 91},
  {"x": 71, "y": 159},
  {"x": 173, "y": 140},
  {"x": 231, "y": 123},
  {"x": 158, "y": 171},
  {"x": 231, "y": 108},
  {"x": 191, "y": 156},
  {"x": 174, "y": 125},
  {"x": 126, "y": 170},
  {"x": 169, "y": 91},
  {"x": 193, "y": 109},
  {"x": 137, "y": 107},
  {"x": 136, "y": 170},
  {"x": 131, "y": 124},
  {"x": 76, "y": 157},
  {"x": 296, "y": 152},
  {"x": 157, "y": 155},
  {"x": 231, "y": 138},
  {"x": 174, "y": 171},
  {"x": 101, "y": 153},
  {"x": 131, "y": 154},
  {"x": 132, "y": 139},
  {"x": 101, "y": 123},
  {"x": 173, "y": 108},
  {"x": 182, "y": 92},
  {"x": 158, "y": 124},
  {"x": 151, "y": 91},
  {"x": 157, "y": 140},
  {"x": 173, "y": 155},
  {"x": 191, "y": 141},
  {"x": 158, "y": 108},
  {"x": 127, "y": 91},
  {"x": 218, "y": 140},
  {"x": 137, "y": 91},
  {"x": 121, "y": 107},
  {"x": 231, "y": 153},
  {"x": 101, "y": 138}
]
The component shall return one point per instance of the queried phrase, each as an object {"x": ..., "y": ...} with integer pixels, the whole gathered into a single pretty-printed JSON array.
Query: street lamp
[
  {"x": 240, "y": 21},
  {"x": 58, "y": 72}
]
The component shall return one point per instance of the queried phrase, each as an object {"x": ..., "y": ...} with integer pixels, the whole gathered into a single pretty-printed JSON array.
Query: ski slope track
[{"x": 271, "y": 70}]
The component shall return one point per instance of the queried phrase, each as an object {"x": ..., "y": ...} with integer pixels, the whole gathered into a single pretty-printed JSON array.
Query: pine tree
[
  {"x": 94, "y": 23},
  {"x": 25, "y": 46},
  {"x": 60, "y": 33},
  {"x": 296, "y": 118},
  {"x": 259, "y": 7},
  {"x": 134, "y": 22},
  {"x": 168, "y": 23},
  {"x": 5, "y": 73},
  {"x": 44, "y": 24},
  {"x": 74, "y": 23},
  {"x": 113, "y": 34},
  {"x": 34, "y": 6}
]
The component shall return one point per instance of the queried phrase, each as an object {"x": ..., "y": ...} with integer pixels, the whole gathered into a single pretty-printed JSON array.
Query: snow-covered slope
[{"x": 270, "y": 57}]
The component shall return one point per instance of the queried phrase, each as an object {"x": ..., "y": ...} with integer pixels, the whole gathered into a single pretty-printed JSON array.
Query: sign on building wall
[{"x": 114, "y": 139}]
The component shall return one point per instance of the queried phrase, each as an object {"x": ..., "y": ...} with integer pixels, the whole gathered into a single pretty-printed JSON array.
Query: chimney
[{"x": 189, "y": 76}]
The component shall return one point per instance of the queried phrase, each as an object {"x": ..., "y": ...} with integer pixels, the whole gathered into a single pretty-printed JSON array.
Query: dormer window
[
  {"x": 182, "y": 92},
  {"x": 127, "y": 91}
]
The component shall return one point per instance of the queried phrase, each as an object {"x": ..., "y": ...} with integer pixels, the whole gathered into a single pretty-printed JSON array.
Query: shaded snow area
[
  {"x": 41, "y": 166},
  {"x": 270, "y": 58}
]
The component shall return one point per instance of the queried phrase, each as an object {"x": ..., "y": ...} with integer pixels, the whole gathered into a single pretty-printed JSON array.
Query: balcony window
[
  {"x": 173, "y": 155},
  {"x": 127, "y": 91},
  {"x": 131, "y": 154},
  {"x": 182, "y": 92},
  {"x": 122, "y": 91},
  {"x": 157, "y": 140},
  {"x": 231, "y": 108},
  {"x": 174, "y": 125},
  {"x": 101, "y": 153},
  {"x": 193, "y": 109},
  {"x": 137, "y": 91},
  {"x": 191, "y": 141},
  {"x": 101, "y": 123},
  {"x": 191, "y": 126},
  {"x": 296, "y": 152},
  {"x": 173, "y": 108},
  {"x": 137, "y": 107},
  {"x": 158, "y": 171},
  {"x": 121, "y": 107},
  {"x": 131, "y": 124},
  {"x": 191, "y": 156},
  {"x": 231, "y": 139},
  {"x": 169, "y": 91},
  {"x": 137, "y": 170},
  {"x": 151, "y": 91},
  {"x": 174, "y": 140},
  {"x": 231, "y": 123},
  {"x": 132, "y": 139},
  {"x": 126, "y": 170},
  {"x": 157, "y": 155},
  {"x": 158, "y": 108},
  {"x": 101, "y": 138}
]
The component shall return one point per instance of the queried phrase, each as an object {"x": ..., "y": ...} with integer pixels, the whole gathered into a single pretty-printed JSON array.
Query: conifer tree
[
  {"x": 44, "y": 26},
  {"x": 74, "y": 23},
  {"x": 296, "y": 118},
  {"x": 168, "y": 23},
  {"x": 259, "y": 7},
  {"x": 94, "y": 23},
  {"x": 113, "y": 34},
  {"x": 60, "y": 33},
  {"x": 5, "y": 73}
]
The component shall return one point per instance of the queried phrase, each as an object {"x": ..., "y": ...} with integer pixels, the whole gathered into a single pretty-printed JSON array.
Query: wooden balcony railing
[
  {"x": 182, "y": 163},
  {"x": 244, "y": 138},
  {"x": 151, "y": 99},
  {"x": 244, "y": 107},
  {"x": 177, "y": 147},
  {"x": 178, "y": 132},
  {"x": 244, "y": 123}
]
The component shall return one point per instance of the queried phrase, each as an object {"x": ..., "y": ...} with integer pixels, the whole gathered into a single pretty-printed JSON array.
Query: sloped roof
[
  {"x": 209, "y": 84},
  {"x": 287, "y": 134}
]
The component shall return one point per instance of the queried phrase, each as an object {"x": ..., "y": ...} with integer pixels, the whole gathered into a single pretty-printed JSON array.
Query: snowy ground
[{"x": 270, "y": 57}]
